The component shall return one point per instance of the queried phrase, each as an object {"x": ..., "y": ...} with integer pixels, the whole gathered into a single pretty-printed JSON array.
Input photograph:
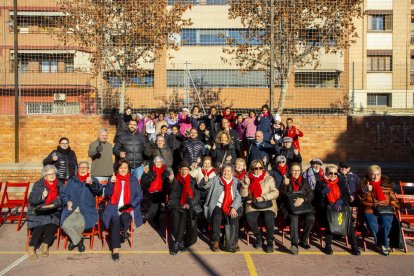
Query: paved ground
[{"x": 149, "y": 256}]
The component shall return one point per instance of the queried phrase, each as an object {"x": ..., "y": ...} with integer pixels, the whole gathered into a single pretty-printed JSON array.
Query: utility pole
[
  {"x": 16, "y": 83},
  {"x": 272, "y": 57}
]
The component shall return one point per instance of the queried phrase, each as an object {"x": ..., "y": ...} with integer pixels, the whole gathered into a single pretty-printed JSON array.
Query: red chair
[
  {"x": 406, "y": 218},
  {"x": 12, "y": 202},
  {"x": 404, "y": 185},
  {"x": 57, "y": 236}
]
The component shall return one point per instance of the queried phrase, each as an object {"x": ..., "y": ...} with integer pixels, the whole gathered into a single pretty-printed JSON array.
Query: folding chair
[
  {"x": 57, "y": 236},
  {"x": 11, "y": 202},
  {"x": 406, "y": 218}
]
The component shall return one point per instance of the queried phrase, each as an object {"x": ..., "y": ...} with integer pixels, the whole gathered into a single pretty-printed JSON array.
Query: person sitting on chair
[{"x": 125, "y": 199}]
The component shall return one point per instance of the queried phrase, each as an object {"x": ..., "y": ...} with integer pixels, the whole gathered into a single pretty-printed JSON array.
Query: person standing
[
  {"x": 293, "y": 132},
  {"x": 100, "y": 151}
]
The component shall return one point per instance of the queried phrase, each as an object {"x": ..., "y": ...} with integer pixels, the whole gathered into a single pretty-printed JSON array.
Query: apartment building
[
  {"x": 56, "y": 79},
  {"x": 383, "y": 57}
]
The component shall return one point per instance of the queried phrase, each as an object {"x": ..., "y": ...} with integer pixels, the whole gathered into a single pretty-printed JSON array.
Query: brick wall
[{"x": 376, "y": 139}]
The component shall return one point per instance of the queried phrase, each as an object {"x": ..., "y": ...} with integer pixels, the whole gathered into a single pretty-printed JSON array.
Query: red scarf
[
  {"x": 296, "y": 183},
  {"x": 321, "y": 175},
  {"x": 185, "y": 182},
  {"x": 255, "y": 188},
  {"x": 53, "y": 191},
  {"x": 334, "y": 193},
  {"x": 378, "y": 193},
  {"x": 240, "y": 175},
  {"x": 282, "y": 169},
  {"x": 207, "y": 172},
  {"x": 156, "y": 185},
  {"x": 228, "y": 199},
  {"x": 83, "y": 178},
  {"x": 118, "y": 189},
  {"x": 266, "y": 114}
]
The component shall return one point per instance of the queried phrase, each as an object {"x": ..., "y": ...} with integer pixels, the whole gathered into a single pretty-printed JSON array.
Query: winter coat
[
  {"x": 199, "y": 176},
  {"x": 35, "y": 200},
  {"x": 66, "y": 165},
  {"x": 196, "y": 121},
  {"x": 135, "y": 200},
  {"x": 312, "y": 177},
  {"x": 269, "y": 192},
  {"x": 287, "y": 190},
  {"x": 121, "y": 124},
  {"x": 214, "y": 194},
  {"x": 257, "y": 151},
  {"x": 192, "y": 149},
  {"x": 240, "y": 130},
  {"x": 290, "y": 155},
  {"x": 265, "y": 125},
  {"x": 250, "y": 126},
  {"x": 203, "y": 137},
  {"x": 220, "y": 154},
  {"x": 231, "y": 117},
  {"x": 149, "y": 177},
  {"x": 213, "y": 124},
  {"x": 81, "y": 195},
  {"x": 291, "y": 132},
  {"x": 275, "y": 172},
  {"x": 101, "y": 158},
  {"x": 368, "y": 201},
  {"x": 185, "y": 124},
  {"x": 175, "y": 191},
  {"x": 153, "y": 151},
  {"x": 134, "y": 145},
  {"x": 352, "y": 181},
  {"x": 233, "y": 136}
]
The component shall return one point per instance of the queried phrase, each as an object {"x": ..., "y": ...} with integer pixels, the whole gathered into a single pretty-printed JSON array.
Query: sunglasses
[
  {"x": 258, "y": 168},
  {"x": 332, "y": 173},
  {"x": 281, "y": 162}
]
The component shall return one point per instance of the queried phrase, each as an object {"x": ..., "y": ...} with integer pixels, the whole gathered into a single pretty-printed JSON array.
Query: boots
[
  {"x": 45, "y": 249},
  {"x": 215, "y": 246},
  {"x": 31, "y": 250},
  {"x": 258, "y": 242}
]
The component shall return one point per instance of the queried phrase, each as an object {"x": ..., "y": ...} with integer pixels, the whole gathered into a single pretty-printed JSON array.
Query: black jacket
[
  {"x": 221, "y": 153},
  {"x": 66, "y": 165},
  {"x": 263, "y": 149},
  {"x": 134, "y": 145},
  {"x": 213, "y": 124},
  {"x": 287, "y": 190},
  {"x": 192, "y": 149},
  {"x": 153, "y": 151},
  {"x": 176, "y": 189},
  {"x": 148, "y": 178},
  {"x": 290, "y": 155}
]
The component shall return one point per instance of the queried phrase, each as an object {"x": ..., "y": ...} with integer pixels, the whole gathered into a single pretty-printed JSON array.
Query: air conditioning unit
[{"x": 59, "y": 97}]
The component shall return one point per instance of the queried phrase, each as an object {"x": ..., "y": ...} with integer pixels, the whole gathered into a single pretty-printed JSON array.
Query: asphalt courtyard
[{"x": 150, "y": 256}]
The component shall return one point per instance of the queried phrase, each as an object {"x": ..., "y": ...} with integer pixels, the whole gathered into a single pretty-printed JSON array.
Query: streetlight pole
[
  {"x": 272, "y": 57},
  {"x": 16, "y": 83}
]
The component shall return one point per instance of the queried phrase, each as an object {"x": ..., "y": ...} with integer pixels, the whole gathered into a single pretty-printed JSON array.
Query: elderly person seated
[
  {"x": 182, "y": 204},
  {"x": 240, "y": 169},
  {"x": 125, "y": 196},
  {"x": 297, "y": 197},
  {"x": 78, "y": 201},
  {"x": 351, "y": 179},
  {"x": 260, "y": 189},
  {"x": 280, "y": 171},
  {"x": 314, "y": 173},
  {"x": 223, "y": 205},
  {"x": 44, "y": 211},
  {"x": 378, "y": 204},
  {"x": 334, "y": 194},
  {"x": 154, "y": 183}
]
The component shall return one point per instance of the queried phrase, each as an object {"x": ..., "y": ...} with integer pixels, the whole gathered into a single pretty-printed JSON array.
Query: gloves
[
  {"x": 338, "y": 205},
  {"x": 99, "y": 148},
  {"x": 325, "y": 191}
]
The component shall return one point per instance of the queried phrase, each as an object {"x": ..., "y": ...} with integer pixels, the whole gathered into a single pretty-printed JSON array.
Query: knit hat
[
  {"x": 280, "y": 158},
  {"x": 139, "y": 116},
  {"x": 316, "y": 161},
  {"x": 277, "y": 117}
]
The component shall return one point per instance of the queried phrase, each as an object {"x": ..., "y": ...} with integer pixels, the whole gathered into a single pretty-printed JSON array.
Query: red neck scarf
[
  {"x": 378, "y": 193},
  {"x": 207, "y": 172},
  {"x": 156, "y": 185},
  {"x": 118, "y": 189},
  {"x": 228, "y": 199},
  {"x": 83, "y": 178},
  {"x": 240, "y": 175},
  {"x": 321, "y": 175},
  {"x": 53, "y": 191},
  {"x": 282, "y": 169},
  {"x": 185, "y": 182},
  {"x": 296, "y": 183},
  {"x": 334, "y": 193},
  {"x": 255, "y": 188},
  {"x": 266, "y": 114}
]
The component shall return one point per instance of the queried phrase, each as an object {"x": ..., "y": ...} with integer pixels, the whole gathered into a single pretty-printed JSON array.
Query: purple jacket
[
  {"x": 240, "y": 130},
  {"x": 250, "y": 126}
]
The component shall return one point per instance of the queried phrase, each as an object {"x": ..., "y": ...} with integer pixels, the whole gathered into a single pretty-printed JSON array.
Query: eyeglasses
[
  {"x": 258, "y": 168},
  {"x": 281, "y": 162},
  {"x": 332, "y": 173}
]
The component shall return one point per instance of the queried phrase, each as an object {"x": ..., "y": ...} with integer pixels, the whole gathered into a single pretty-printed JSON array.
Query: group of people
[{"x": 208, "y": 171}]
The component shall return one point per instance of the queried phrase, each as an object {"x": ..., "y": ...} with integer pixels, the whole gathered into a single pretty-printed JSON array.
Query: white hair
[{"x": 48, "y": 168}]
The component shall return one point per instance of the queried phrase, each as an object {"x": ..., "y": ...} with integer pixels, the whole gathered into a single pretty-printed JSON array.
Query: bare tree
[
  {"x": 302, "y": 31},
  {"x": 123, "y": 35}
]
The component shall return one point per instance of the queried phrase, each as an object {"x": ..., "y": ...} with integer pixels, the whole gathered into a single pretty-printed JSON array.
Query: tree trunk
[
  {"x": 122, "y": 97},
  {"x": 283, "y": 92}
]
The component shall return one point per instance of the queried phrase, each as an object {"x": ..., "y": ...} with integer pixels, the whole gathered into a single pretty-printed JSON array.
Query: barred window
[
  {"x": 379, "y": 63},
  {"x": 213, "y": 37},
  {"x": 52, "y": 108},
  {"x": 378, "y": 99},
  {"x": 317, "y": 79},
  {"x": 380, "y": 22}
]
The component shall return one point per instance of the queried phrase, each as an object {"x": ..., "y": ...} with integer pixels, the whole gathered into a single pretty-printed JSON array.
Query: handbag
[
  {"x": 262, "y": 204},
  {"x": 197, "y": 209},
  {"x": 380, "y": 210},
  {"x": 338, "y": 221},
  {"x": 305, "y": 208}
]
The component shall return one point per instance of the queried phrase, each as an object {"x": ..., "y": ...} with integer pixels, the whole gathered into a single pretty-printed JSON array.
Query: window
[
  {"x": 217, "y": 78},
  {"x": 381, "y": 63},
  {"x": 378, "y": 99},
  {"x": 39, "y": 108},
  {"x": 23, "y": 66},
  {"x": 52, "y": 108},
  {"x": 215, "y": 37},
  {"x": 69, "y": 66},
  {"x": 380, "y": 22},
  {"x": 134, "y": 79},
  {"x": 49, "y": 66},
  {"x": 317, "y": 79}
]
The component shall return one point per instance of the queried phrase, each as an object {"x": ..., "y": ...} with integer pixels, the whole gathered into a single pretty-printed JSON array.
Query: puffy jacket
[
  {"x": 192, "y": 149},
  {"x": 134, "y": 145},
  {"x": 66, "y": 165}
]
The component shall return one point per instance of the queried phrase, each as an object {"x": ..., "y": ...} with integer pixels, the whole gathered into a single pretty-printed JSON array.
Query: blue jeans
[
  {"x": 380, "y": 227},
  {"x": 138, "y": 172}
]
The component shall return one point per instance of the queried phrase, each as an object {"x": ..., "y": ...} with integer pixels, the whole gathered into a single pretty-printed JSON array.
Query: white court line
[{"x": 16, "y": 263}]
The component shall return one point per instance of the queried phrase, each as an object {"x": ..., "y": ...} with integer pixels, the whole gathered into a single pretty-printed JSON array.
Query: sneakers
[
  {"x": 384, "y": 251},
  {"x": 294, "y": 249},
  {"x": 258, "y": 242},
  {"x": 45, "y": 249},
  {"x": 31, "y": 251}
]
